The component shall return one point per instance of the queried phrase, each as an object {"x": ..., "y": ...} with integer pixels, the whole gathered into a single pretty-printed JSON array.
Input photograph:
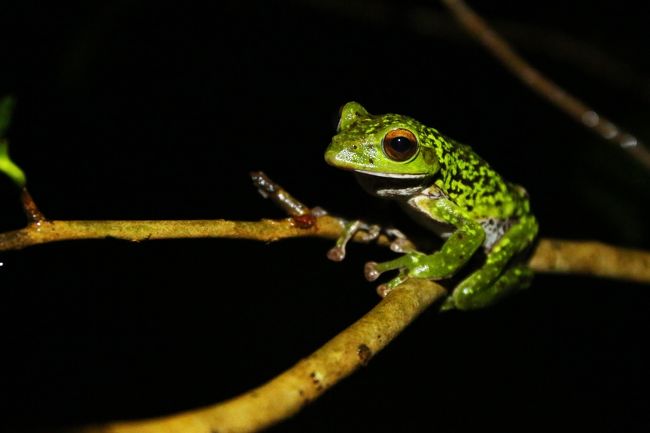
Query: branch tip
[{"x": 34, "y": 215}]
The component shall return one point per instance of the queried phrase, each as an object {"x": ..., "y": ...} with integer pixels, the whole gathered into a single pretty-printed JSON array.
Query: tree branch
[
  {"x": 499, "y": 48},
  {"x": 266, "y": 230},
  {"x": 591, "y": 258},
  {"x": 287, "y": 393},
  {"x": 551, "y": 255}
]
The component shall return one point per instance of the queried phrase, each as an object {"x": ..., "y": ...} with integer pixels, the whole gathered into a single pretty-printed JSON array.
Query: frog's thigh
[{"x": 484, "y": 286}]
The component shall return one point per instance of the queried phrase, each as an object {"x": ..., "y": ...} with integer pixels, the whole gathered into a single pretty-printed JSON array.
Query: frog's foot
[
  {"x": 368, "y": 233},
  {"x": 400, "y": 243},
  {"x": 406, "y": 263},
  {"x": 467, "y": 297},
  {"x": 318, "y": 211},
  {"x": 411, "y": 264},
  {"x": 370, "y": 271},
  {"x": 384, "y": 289},
  {"x": 365, "y": 232}
]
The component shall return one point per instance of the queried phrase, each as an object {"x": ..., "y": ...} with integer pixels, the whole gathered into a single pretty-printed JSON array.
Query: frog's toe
[
  {"x": 336, "y": 254},
  {"x": 318, "y": 211},
  {"x": 383, "y": 290},
  {"x": 370, "y": 271},
  {"x": 448, "y": 304},
  {"x": 401, "y": 245}
]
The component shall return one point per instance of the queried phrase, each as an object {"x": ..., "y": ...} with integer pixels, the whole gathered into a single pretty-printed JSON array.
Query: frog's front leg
[
  {"x": 365, "y": 233},
  {"x": 455, "y": 252}
]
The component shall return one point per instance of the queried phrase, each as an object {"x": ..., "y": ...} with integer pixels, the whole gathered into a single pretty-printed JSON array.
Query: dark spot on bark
[
  {"x": 354, "y": 146},
  {"x": 364, "y": 353},
  {"x": 316, "y": 381},
  {"x": 371, "y": 161},
  {"x": 460, "y": 236}
]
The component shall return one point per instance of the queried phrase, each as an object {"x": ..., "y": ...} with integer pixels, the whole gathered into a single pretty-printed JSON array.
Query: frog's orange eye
[{"x": 400, "y": 145}]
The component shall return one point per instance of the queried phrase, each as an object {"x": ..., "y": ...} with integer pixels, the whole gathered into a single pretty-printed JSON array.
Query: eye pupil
[{"x": 400, "y": 145}]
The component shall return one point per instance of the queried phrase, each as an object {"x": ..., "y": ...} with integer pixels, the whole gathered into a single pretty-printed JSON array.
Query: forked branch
[{"x": 286, "y": 394}]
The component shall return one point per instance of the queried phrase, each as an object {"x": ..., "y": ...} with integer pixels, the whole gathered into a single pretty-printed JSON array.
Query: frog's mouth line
[
  {"x": 391, "y": 186},
  {"x": 392, "y": 175}
]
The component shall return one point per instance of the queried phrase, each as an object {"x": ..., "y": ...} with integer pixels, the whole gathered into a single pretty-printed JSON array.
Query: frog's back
[{"x": 470, "y": 182}]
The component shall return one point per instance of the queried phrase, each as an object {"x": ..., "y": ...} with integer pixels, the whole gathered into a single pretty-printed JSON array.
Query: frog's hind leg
[
  {"x": 491, "y": 282},
  {"x": 518, "y": 277}
]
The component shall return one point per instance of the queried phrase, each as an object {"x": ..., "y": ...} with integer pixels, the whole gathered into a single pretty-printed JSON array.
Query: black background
[{"x": 141, "y": 110}]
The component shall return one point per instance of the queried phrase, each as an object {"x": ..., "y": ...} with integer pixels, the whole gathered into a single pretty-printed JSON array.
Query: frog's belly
[{"x": 494, "y": 229}]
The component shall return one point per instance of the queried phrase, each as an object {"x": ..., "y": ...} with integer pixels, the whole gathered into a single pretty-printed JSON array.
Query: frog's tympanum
[{"x": 451, "y": 190}]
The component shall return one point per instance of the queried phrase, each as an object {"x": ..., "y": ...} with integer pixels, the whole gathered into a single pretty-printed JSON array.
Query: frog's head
[{"x": 386, "y": 146}]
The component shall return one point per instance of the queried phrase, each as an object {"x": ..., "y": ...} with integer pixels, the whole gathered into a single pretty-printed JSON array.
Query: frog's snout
[
  {"x": 333, "y": 150},
  {"x": 331, "y": 156},
  {"x": 328, "y": 158}
]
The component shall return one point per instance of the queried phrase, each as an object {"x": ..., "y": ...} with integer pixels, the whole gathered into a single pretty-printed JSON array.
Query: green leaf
[{"x": 7, "y": 166}]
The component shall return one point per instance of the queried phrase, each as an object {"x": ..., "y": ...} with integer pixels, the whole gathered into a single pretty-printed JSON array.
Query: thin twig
[
  {"x": 575, "y": 108},
  {"x": 289, "y": 392},
  {"x": 33, "y": 213},
  {"x": 428, "y": 21}
]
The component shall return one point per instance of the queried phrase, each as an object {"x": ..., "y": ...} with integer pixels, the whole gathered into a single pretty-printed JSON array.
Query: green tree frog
[{"x": 446, "y": 186}]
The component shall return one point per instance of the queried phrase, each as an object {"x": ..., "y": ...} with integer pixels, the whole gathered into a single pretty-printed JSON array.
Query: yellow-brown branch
[
  {"x": 551, "y": 255},
  {"x": 287, "y": 393},
  {"x": 591, "y": 258},
  {"x": 284, "y": 395}
]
